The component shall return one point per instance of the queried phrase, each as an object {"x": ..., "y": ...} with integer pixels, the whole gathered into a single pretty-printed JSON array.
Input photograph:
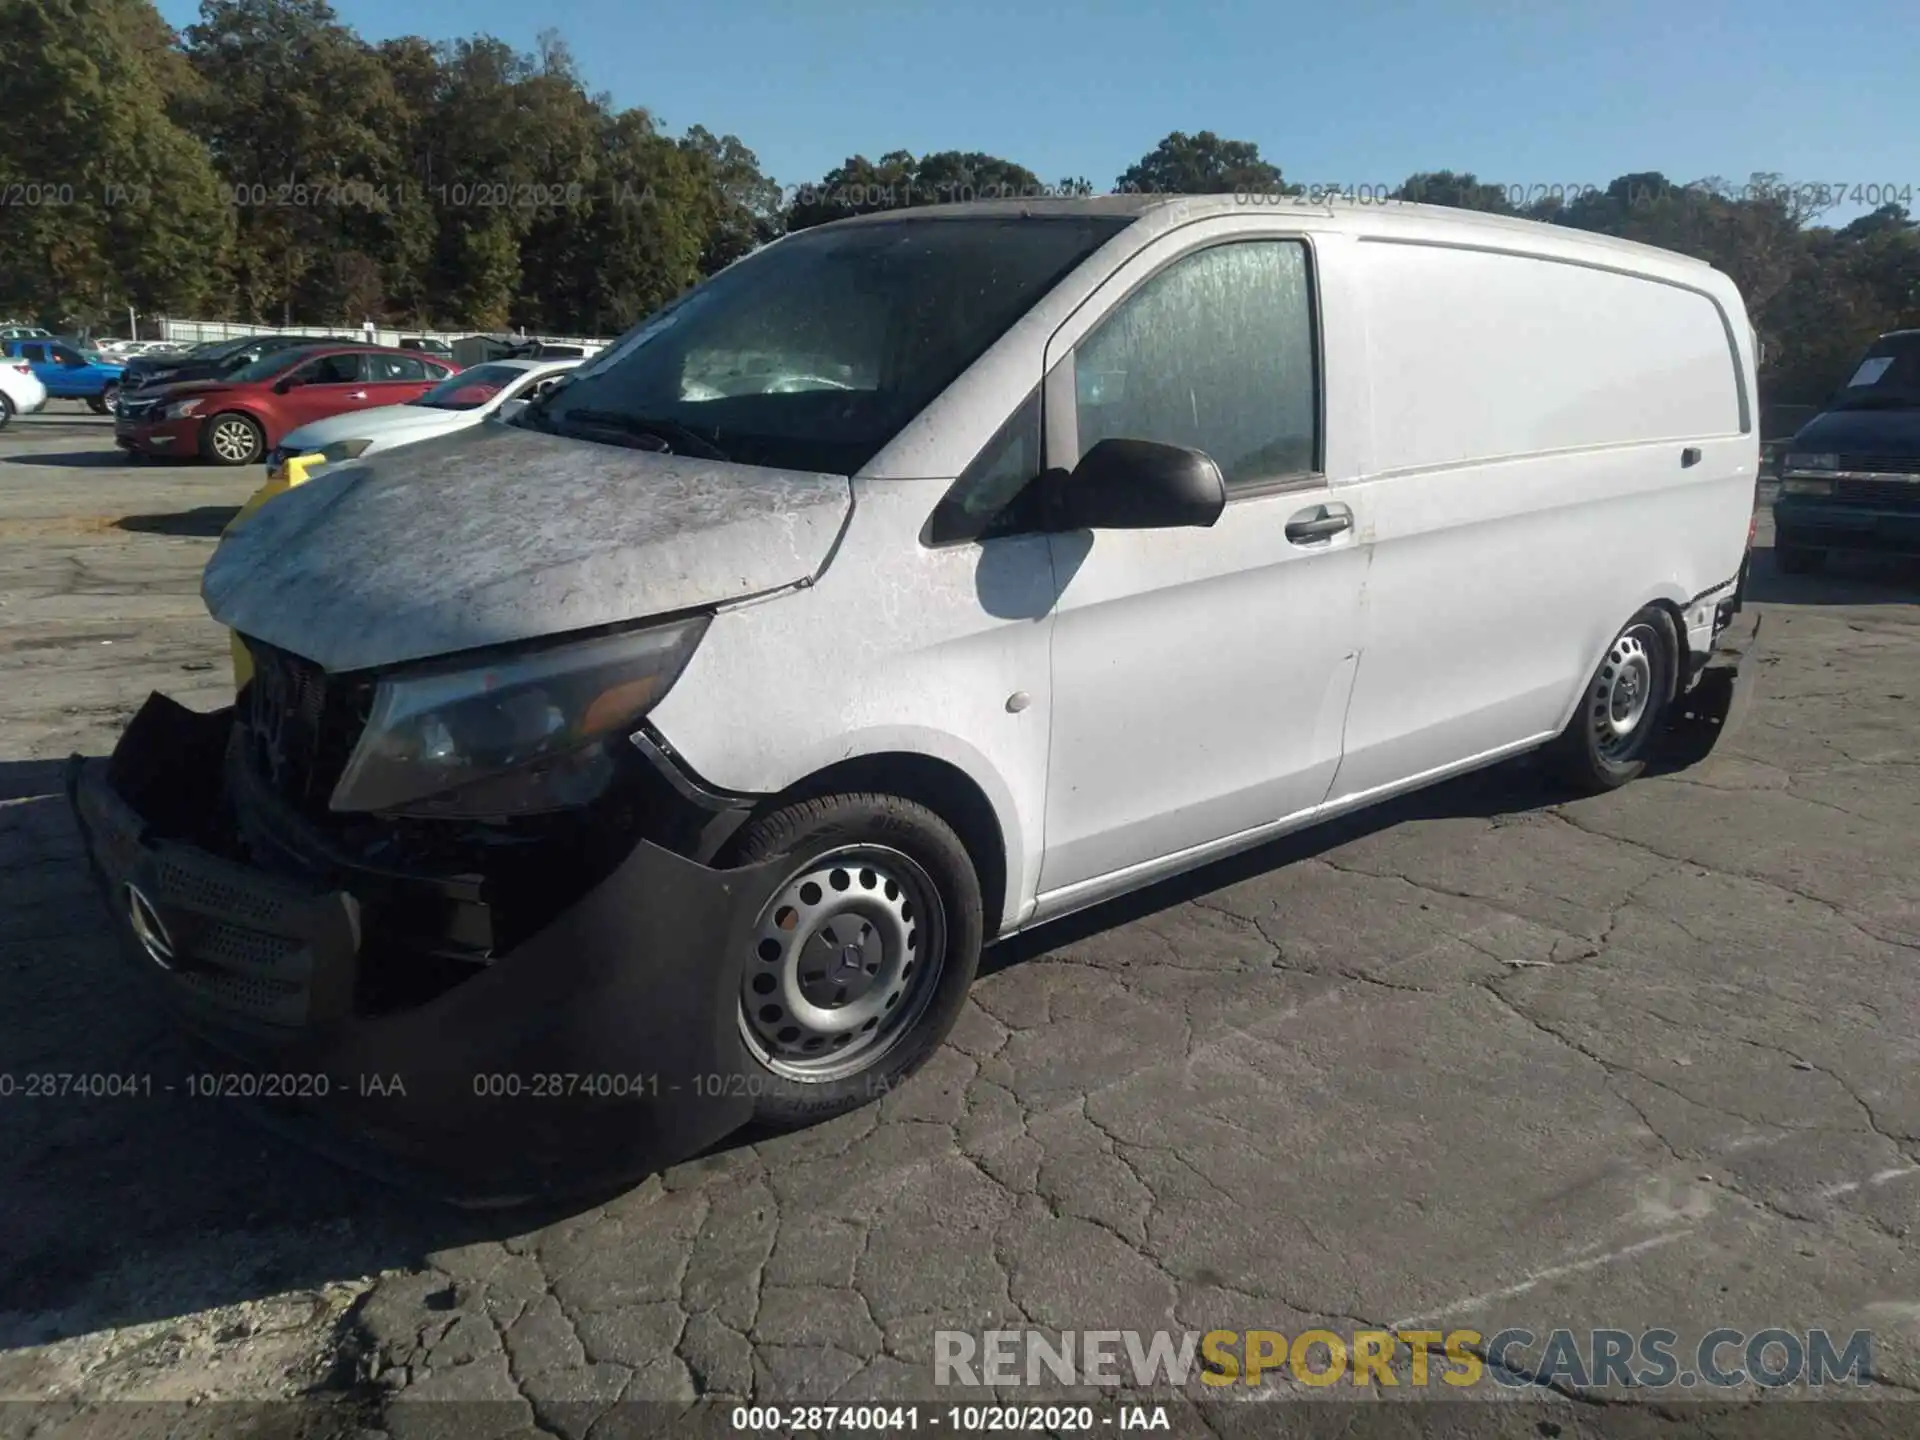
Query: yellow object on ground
[{"x": 280, "y": 479}]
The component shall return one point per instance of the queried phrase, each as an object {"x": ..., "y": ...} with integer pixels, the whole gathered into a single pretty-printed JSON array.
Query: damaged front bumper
[{"x": 600, "y": 1047}]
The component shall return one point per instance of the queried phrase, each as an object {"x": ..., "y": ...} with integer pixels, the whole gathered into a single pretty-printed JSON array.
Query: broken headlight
[{"x": 519, "y": 735}]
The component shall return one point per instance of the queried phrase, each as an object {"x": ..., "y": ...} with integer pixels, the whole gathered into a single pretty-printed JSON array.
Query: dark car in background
[
  {"x": 1850, "y": 480},
  {"x": 215, "y": 358}
]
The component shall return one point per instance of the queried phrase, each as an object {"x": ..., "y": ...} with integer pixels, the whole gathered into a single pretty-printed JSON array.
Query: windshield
[
  {"x": 1887, "y": 377},
  {"x": 470, "y": 389},
  {"x": 224, "y": 348},
  {"x": 815, "y": 352}
]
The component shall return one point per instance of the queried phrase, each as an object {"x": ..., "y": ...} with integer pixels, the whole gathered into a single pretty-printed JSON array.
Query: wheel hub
[
  {"x": 1622, "y": 691},
  {"x": 232, "y": 440},
  {"x": 845, "y": 957}
]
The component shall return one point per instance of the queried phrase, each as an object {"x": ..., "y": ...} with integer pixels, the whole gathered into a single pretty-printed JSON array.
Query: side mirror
[
  {"x": 511, "y": 408},
  {"x": 286, "y": 383},
  {"x": 1136, "y": 485}
]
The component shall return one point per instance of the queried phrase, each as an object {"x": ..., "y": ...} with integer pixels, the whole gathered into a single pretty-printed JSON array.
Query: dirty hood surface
[{"x": 498, "y": 534}]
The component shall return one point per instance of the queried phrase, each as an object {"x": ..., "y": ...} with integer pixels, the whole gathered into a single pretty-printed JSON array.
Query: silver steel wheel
[
  {"x": 232, "y": 440},
  {"x": 846, "y": 956},
  {"x": 1623, "y": 692}
]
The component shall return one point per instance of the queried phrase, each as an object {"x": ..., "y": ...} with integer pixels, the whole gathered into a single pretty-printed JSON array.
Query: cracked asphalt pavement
[{"x": 1485, "y": 1059}]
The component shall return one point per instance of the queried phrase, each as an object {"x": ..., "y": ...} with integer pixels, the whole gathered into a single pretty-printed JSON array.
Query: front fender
[{"x": 784, "y": 771}]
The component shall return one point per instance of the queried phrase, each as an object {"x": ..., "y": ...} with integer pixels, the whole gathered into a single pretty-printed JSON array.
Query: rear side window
[
  {"x": 1216, "y": 353},
  {"x": 398, "y": 367},
  {"x": 1475, "y": 355}
]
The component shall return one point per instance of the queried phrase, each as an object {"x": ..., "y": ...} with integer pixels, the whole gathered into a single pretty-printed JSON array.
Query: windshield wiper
[{"x": 674, "y": 438}]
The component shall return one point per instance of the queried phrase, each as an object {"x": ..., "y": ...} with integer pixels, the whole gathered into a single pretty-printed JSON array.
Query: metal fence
[{"x": 192, "y": 332}]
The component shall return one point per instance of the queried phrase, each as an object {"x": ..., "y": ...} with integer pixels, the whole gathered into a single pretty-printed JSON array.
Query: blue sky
[{"x": 1355, "y": 93}]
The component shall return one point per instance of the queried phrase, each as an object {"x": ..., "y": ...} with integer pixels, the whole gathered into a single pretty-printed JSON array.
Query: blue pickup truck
[{"x": 69, "y": 372}]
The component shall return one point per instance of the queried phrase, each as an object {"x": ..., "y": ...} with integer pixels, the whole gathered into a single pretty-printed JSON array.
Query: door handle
[
  {"x": 1322, "y": 522},
  {"x": 1689, "y": 457}
]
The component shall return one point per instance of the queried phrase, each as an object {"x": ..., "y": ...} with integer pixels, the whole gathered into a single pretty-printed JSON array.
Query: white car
[
  {"x": 1063, "y": 546},
  {"x": 21, "y": 391},
  {"x": 464, "y": 398}
]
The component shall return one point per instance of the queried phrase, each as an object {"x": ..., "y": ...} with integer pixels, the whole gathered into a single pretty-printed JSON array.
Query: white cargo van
[{"x": 699, "y": 735}]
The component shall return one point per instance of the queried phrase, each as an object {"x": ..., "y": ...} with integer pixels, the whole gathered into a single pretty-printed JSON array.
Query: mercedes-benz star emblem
[{"x": 149, "y": 930}]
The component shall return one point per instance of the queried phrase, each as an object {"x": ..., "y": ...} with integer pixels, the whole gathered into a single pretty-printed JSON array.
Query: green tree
[
  {"x": 853, "y": 187},
  {"x": 898, "y": 180},
  {"x": 114, "y": 203},
  {"x": 741, "y": 209},
  {"x": 949, "y": 177},
  {"x": 1463, "y": 191},
  {"x": 302, "y": 118},
  {"x": 646, "y": 233},
  {"x": 1203, "y": 164},
  {"x": 558, "y": 157},
  {"x": 413, "y": 71},
  {"x": 1888, "y": 219}
]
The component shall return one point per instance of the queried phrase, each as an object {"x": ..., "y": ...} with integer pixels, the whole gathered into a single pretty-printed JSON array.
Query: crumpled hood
[
  {"x": 498, "y": 534},
  {"x": 1861, "y": 432},
  {"x": 170, "y": 390}
]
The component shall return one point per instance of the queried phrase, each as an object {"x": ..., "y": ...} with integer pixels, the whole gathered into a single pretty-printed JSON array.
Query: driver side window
[
  {"x": 330, "y": 370},
  {"x": 1215, "y": 353}
]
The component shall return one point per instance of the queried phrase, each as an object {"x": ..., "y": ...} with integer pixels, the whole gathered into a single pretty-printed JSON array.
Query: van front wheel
[
  {"x": 1613, "y": 728},
  {"x": 861, "y": 958}
]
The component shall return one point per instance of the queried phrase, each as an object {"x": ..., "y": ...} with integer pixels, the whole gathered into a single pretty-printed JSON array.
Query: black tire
[
  {"x": 1607, "y": 741},
  {"x": 1794, "y": 559},
  {"x": 889, "y": 850},
  {"x": 6, "y": 411},
  {"x": 102, "y": 403},
  {"x": 231, "y": 422}
]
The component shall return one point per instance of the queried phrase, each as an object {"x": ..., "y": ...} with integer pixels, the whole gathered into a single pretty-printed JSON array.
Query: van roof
[{"x": 1380, "y": 217}]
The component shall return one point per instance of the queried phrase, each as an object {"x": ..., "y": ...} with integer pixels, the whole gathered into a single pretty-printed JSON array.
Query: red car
[{"x": 236, "y": 419}]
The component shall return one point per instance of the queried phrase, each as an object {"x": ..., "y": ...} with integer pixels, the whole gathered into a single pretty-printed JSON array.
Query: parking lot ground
[{"x": 1487, "y": 1059}]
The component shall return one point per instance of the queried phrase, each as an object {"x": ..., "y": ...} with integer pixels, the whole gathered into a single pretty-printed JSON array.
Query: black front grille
[
  {"x": 1881, "y": 464},
  {"x": 1879, "y": 492},
  {"x": 301, "y": 725}
]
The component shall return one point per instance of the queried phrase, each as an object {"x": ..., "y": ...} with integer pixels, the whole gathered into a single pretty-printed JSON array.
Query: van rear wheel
[
  {"x": 1620, "y": 713},
  {"x": 862, "y": 957}
]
